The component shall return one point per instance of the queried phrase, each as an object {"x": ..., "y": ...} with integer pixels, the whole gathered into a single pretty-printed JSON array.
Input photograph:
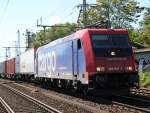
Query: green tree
[
  {"x": 115, "y": 13},
  {"x": 145, "y": 29},
  {"x": 146, "y": 19},
  {"x": 142, "y": 35},
  {"x": 92, "y": 17},
  {"x": 135, "y": 35},
  {"x": 53, "y": 33}
]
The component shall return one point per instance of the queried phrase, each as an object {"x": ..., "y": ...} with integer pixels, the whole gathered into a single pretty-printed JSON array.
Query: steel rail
[
  {"x": 143, "y": 91},
  {"x": 6, "y": 106},
  {"x": 130, "y": 106},
  {"x": 33, "y": 100}
]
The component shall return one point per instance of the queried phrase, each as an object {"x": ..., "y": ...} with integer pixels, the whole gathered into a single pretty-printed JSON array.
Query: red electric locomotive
[
  {"x": 110, "y": 63},
  {"x": 99, "y": 61}
]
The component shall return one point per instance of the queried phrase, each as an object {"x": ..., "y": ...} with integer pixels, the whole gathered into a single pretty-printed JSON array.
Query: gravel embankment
[{"x": 67, "y": 103}]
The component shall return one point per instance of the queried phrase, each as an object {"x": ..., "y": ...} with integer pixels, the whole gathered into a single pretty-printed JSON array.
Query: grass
[{"x": 145, "y": 79}]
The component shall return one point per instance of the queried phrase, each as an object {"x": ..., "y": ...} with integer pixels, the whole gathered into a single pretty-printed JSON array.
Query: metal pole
[
  {"x": 84, "y": 13},
  {"x": 18, "y": 52},
  {"x": 16, "y": 48},
  {"x": 44, "y": 27},
  {"x": 28, "y": 40},
  {"x": 6, "y": 53},
  {"x": 108, "y": 11}
]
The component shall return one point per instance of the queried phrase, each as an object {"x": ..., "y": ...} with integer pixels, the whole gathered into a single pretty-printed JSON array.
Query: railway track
[
  {"x": 141, "y": 91},
  {"x": 132, "y": 103},
  {"x": 57, "y": 102},
  {"x": 124, "y": 105},
  {"x": 4, "y": 107},
  {"x": 119, "y": 104},
  {"x": 29, "y": 104}
]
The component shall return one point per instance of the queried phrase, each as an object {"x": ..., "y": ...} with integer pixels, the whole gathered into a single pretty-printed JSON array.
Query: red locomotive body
[{"x": 110, "y": 63}]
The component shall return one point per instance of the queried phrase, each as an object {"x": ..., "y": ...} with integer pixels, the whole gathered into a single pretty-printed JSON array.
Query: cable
[
  {"x": 1, "y": 2},
  {"x": 4, "y": 11},
  {"x": 71, "y": 13},
  {"x": 54, "y": 11},
  {"x": 5, "y": 8},
  {"x": 64, "y": 10}
]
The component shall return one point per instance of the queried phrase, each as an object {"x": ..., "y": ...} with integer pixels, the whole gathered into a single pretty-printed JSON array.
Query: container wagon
[{"x": 10, "y": 67}]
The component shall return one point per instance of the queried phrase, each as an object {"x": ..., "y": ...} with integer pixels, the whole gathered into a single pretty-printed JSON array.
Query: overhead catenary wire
[
  {"x": 71, "y": 13},
  {"x": 4, "y": 11},
  {"x": 63, "y": 10},
  {"x": 44, "y": 26},
  {"x": 54, "y": 11},
  {"x": 2, "y": 4},
  {"x": 3, "y": 8}
]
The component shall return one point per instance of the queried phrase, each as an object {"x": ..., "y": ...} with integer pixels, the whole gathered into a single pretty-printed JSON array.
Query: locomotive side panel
[
  {"x": 64, "y": 61},
  {"x": 82, "y": 66},
  {"x": 55, "y": 61}
]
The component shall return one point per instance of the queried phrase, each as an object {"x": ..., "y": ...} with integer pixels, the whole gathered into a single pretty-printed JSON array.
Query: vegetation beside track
[{"x": 145, "y": 79}]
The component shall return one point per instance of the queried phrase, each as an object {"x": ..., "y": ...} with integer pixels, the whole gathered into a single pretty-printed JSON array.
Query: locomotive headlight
[
  {"x": 100, "y": 68},
  {"x": 129, "y": 68}
]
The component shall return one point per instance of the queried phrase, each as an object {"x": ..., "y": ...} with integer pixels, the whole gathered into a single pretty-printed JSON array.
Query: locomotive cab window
[
  {"x": 110, "y": 41},
  {"x": 104, "y": 45}
]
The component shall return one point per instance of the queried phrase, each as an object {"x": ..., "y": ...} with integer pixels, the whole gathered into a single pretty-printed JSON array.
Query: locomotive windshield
[
  {"x": 110, "y": 40},
  {"x": 103, "y": 45}
]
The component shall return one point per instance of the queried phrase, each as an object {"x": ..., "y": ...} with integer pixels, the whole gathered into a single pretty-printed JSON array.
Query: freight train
[{"x": 99, "y": 61}]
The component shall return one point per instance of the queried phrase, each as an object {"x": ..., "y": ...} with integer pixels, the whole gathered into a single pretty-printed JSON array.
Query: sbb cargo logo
[{"x": 47, "y": 62}]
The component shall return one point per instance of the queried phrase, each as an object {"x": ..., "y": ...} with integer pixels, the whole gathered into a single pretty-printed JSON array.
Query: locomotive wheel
[
  {"x": 79, "y": 87},
  {"x": 85, "y": 91}
]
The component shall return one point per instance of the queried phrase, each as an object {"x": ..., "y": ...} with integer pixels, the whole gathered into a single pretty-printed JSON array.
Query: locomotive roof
[
  {"x": 110, "y": 31},
  {"x": 80, "y": 33}
]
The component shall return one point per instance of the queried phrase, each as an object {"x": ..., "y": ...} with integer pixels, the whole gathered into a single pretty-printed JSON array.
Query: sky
[{"x": 23, "y": 14}]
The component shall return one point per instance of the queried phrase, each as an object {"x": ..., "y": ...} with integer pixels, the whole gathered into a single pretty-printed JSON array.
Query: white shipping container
[
  {"x": 27, "y": 62},
  {"x": 17, "y": 61},
  {"x": 2, "y": 67}
]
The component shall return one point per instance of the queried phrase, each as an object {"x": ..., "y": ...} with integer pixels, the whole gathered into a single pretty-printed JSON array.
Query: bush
[{"x": 145, "y": 79}]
